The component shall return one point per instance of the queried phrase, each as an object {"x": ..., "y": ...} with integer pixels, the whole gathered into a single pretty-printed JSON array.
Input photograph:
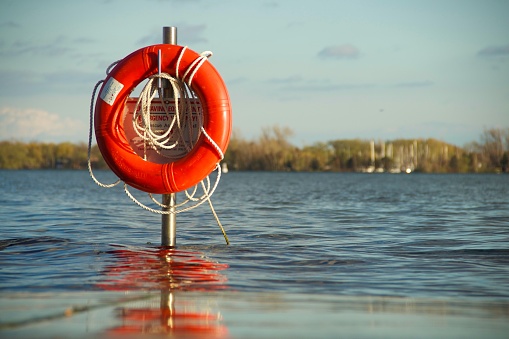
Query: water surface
[{"x": 417, "y": 235}]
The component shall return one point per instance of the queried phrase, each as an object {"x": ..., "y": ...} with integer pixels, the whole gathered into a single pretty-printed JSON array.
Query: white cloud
[{"x": 34, "y": 124}]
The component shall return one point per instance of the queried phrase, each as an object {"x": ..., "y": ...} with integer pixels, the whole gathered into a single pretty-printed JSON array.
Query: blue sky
[{"x": 326, "y": 69}]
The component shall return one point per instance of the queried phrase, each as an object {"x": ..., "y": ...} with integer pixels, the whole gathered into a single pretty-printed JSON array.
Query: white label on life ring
[{"x": 111, "y": 90}]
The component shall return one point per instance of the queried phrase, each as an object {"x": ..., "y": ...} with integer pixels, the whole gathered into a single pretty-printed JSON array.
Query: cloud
[
  {"x": 9, "y": 24},
  {"x": 20, "y": 48},
  {"x": 293, "y": 24},
  {"x": 296, "y": 83},
  {"x": 69, "y": 78},
  {"x": 34, "y": 124},
  {"x": 414, "y": 84},
  {"x": 327, "y": 87},
  {"x": 22, "y": 83},
  {"x": 84, "y": 40},
  {"x": 184, "y": 2},
  {"x": 237, "y": 80},
  {"x": 288, "y": 80},
  {"x": 494, "y": 51},
  {"x": 59, "y": 46},
  {"x": 270, "y": 4},
  {"x": 13, "y": 83},
  {"x": 186, "y": 34},
  {"x": 345, "y": 51}
]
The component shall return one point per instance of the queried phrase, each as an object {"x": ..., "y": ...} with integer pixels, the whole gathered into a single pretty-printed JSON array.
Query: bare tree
[{"x": 492, "y": 141}]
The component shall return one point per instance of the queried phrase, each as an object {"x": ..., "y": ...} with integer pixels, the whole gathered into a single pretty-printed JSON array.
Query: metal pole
[
  {"x": 170, "y": 35},
  {"x": 169, "y": 221}
]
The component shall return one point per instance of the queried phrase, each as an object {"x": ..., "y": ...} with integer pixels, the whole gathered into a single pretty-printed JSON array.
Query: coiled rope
[{"x": 155, "y": 140}]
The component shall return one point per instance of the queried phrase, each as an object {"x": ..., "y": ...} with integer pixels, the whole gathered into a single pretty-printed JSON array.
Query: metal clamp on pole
[{"x": 169, "y": 221}]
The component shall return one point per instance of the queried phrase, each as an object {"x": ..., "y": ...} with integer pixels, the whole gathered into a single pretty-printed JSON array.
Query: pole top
[{"x": 170, "y": 35}]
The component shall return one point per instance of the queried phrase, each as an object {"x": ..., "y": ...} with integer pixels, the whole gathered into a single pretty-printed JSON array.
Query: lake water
[{"x": 431, "y": 236}]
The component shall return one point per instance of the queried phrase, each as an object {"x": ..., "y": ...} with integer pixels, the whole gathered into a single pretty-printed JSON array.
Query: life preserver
[{"x": 109, "y": 111}]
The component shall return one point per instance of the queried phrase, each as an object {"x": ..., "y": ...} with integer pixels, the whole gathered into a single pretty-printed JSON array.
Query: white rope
[
  {"x": 205, "y": 197},
  {"x": 141, "y": 116},
  {"x": 196, "y": 65},
  {"x": 90, "y": 129},
  {"x": 216, "y": 146},
  {"x": 184, "y": 99}
]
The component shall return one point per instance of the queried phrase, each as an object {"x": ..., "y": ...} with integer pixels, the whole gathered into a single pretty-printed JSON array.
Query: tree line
[
  {"x": 37, "y": 155},
  {"x": 272, "y": 151}
]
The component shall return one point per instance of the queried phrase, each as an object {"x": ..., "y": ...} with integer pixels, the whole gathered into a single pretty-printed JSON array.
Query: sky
[{"x": 326, "y": 69}]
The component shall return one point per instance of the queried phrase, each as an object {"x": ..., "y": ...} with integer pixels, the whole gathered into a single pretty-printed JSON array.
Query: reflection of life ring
[
  {"x": 162, "y": 269},
  {"x": 110, "y": 107},
  {"x": 168, "y": 271}
]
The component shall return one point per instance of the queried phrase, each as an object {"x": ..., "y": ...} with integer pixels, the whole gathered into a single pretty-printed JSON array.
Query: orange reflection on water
[
  {"x": 170, "y": 271},
  {"x": 161, "y": 268},
  {"x": 181, "y": 319}
]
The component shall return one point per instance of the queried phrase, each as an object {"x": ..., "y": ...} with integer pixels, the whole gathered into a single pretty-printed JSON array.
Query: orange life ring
[{"x": 109, "y": 111}]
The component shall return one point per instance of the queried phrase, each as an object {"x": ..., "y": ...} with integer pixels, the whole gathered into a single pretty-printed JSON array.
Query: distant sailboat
[{"x": 224, "y": 168}]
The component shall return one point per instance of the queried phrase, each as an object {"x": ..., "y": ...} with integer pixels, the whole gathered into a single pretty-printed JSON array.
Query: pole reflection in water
[{"x": 171, "y": 271}]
